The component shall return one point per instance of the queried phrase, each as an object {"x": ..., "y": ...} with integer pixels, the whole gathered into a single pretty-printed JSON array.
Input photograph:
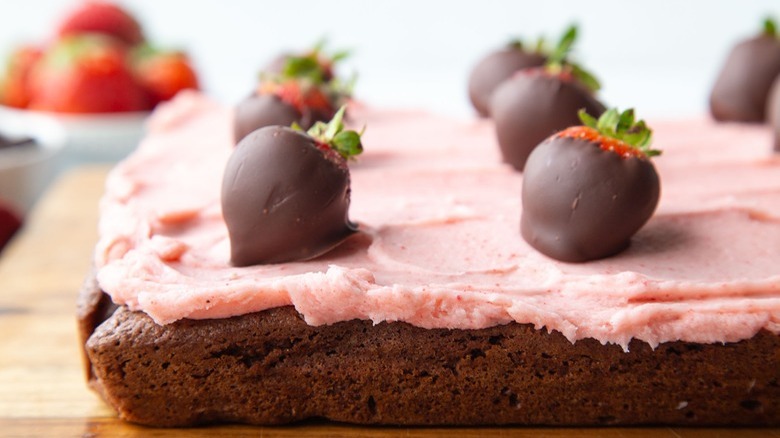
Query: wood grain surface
[{"x": 42, "y": 387}]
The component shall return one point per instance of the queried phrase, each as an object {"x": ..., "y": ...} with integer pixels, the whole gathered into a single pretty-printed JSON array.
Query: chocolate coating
[
  {"x": 741, "y": 90},
  {"x": 582, "y": 203},
  {"x": 531, "y": 106},
  {"x": 773, "y": 112},
  {"x": 257, "y": 111},
  {"x": 495, "y": 68},
  {"x": 282, "y": 199}
]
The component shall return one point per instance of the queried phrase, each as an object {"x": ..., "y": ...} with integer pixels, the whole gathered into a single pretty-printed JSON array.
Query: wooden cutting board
[{"x": 42, "y": 386}]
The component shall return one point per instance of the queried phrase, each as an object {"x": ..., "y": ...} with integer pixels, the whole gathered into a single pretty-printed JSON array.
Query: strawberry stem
[
  {"x": 560, "y": 53},
  {"x": 306, "y": 66},
  {"x": 516, "y": 44},
  {"x": 770, "y": 27},
  {"x": 314, "y": 64},
  {"x": 312, "y": 70},
  {"x": 558, "y": 57},
  {"x": 624, "y": 127},
  {"x": 332, "y": 134},
  {"x": 558, "y": 61}
]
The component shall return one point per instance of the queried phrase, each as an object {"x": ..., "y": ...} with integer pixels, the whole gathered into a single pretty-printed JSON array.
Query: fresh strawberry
[
  {"x": 164, "y": 74},
  {"x": 96, "y": 16},
  {"x": 9, "y": 224},
  {"x": 500, "y": 65},
  {"x": 537, "y": 102},
  {"x": 588, "y": 189},
  {"x": 85, "y": 74},
  {"x": 286, "y": 193},
  {"x": 15, "y": 88},
  {"x": 741, "y": 89}
]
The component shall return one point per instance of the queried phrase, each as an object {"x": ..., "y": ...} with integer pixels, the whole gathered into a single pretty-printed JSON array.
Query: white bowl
[
  {"x": 88, "y": 137},
  {"x": 26, "y": 170}
]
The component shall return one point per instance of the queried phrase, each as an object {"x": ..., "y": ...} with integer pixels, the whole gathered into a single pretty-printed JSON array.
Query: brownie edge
[{"x": 271, "y": 367}]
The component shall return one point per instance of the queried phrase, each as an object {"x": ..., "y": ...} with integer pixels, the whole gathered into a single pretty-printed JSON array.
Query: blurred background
[{"x": 660, "y": 56}]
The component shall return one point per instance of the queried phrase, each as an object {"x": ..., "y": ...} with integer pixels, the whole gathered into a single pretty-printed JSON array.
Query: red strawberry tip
[
  {"x": 614, "y": 131},
  {"x": 300, "y": 94}
]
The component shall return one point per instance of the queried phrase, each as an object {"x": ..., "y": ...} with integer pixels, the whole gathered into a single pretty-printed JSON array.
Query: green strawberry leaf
[
  {"x": 340, "y": 56},
  {"x": 541, "y": 45},
  {"x": 319, "y": 46},
  {"x": 346, "y": 143},
  {"x": 312, "y": 69},
  {"x": 336, "y": 124},
  {"x": 69, "y": 50},
  {"x": 626, "y": 120},
  {"x": 557, "y": 54},
  {"x": 587, "y": 119},
  {"x": 313, "y": 64},
  {"x": 624, "y": 127},
  {"x": 770, "y": 27},
  {"x": 585, "y": 77},
  {"x": 561, "y": 51},
  {"x": 558, "y": 61},
  {"x": 608, "y": 122},
  {"x": 306, "y": 66}
]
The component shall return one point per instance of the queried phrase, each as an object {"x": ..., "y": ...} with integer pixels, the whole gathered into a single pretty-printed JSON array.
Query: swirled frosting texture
[{"x": 440, "y": 245}]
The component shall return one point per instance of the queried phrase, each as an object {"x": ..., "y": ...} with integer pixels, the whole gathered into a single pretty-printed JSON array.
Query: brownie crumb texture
[{"x": 271, "y": 367}]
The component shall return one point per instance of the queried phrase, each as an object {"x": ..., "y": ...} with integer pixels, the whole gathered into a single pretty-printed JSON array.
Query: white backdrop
[{"x": 659, "y": 56}]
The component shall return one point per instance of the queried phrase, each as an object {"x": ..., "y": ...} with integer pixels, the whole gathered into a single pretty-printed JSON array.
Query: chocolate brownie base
[{"x": 271, "y": 367}]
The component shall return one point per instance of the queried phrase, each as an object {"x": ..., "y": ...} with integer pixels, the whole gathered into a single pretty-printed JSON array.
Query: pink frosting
[{"x": 440, "y": 245}]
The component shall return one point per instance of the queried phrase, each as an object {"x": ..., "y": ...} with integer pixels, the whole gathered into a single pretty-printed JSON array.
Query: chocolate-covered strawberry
[
  {"x": 500, "y": 65},
  {"x": 300, "y": 89},
  {"x": 537, "y": 102},
  {"x": 286, "y": 193},
  {"x": 284, "y": 102},
  {"x": 742, "y": 87},
  {"x": 588, "y": 189},
  {"x": 495, "y": 68}
]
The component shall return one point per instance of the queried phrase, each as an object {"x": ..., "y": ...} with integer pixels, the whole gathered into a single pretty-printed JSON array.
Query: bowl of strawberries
[{"x": 97, "y": 78}]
